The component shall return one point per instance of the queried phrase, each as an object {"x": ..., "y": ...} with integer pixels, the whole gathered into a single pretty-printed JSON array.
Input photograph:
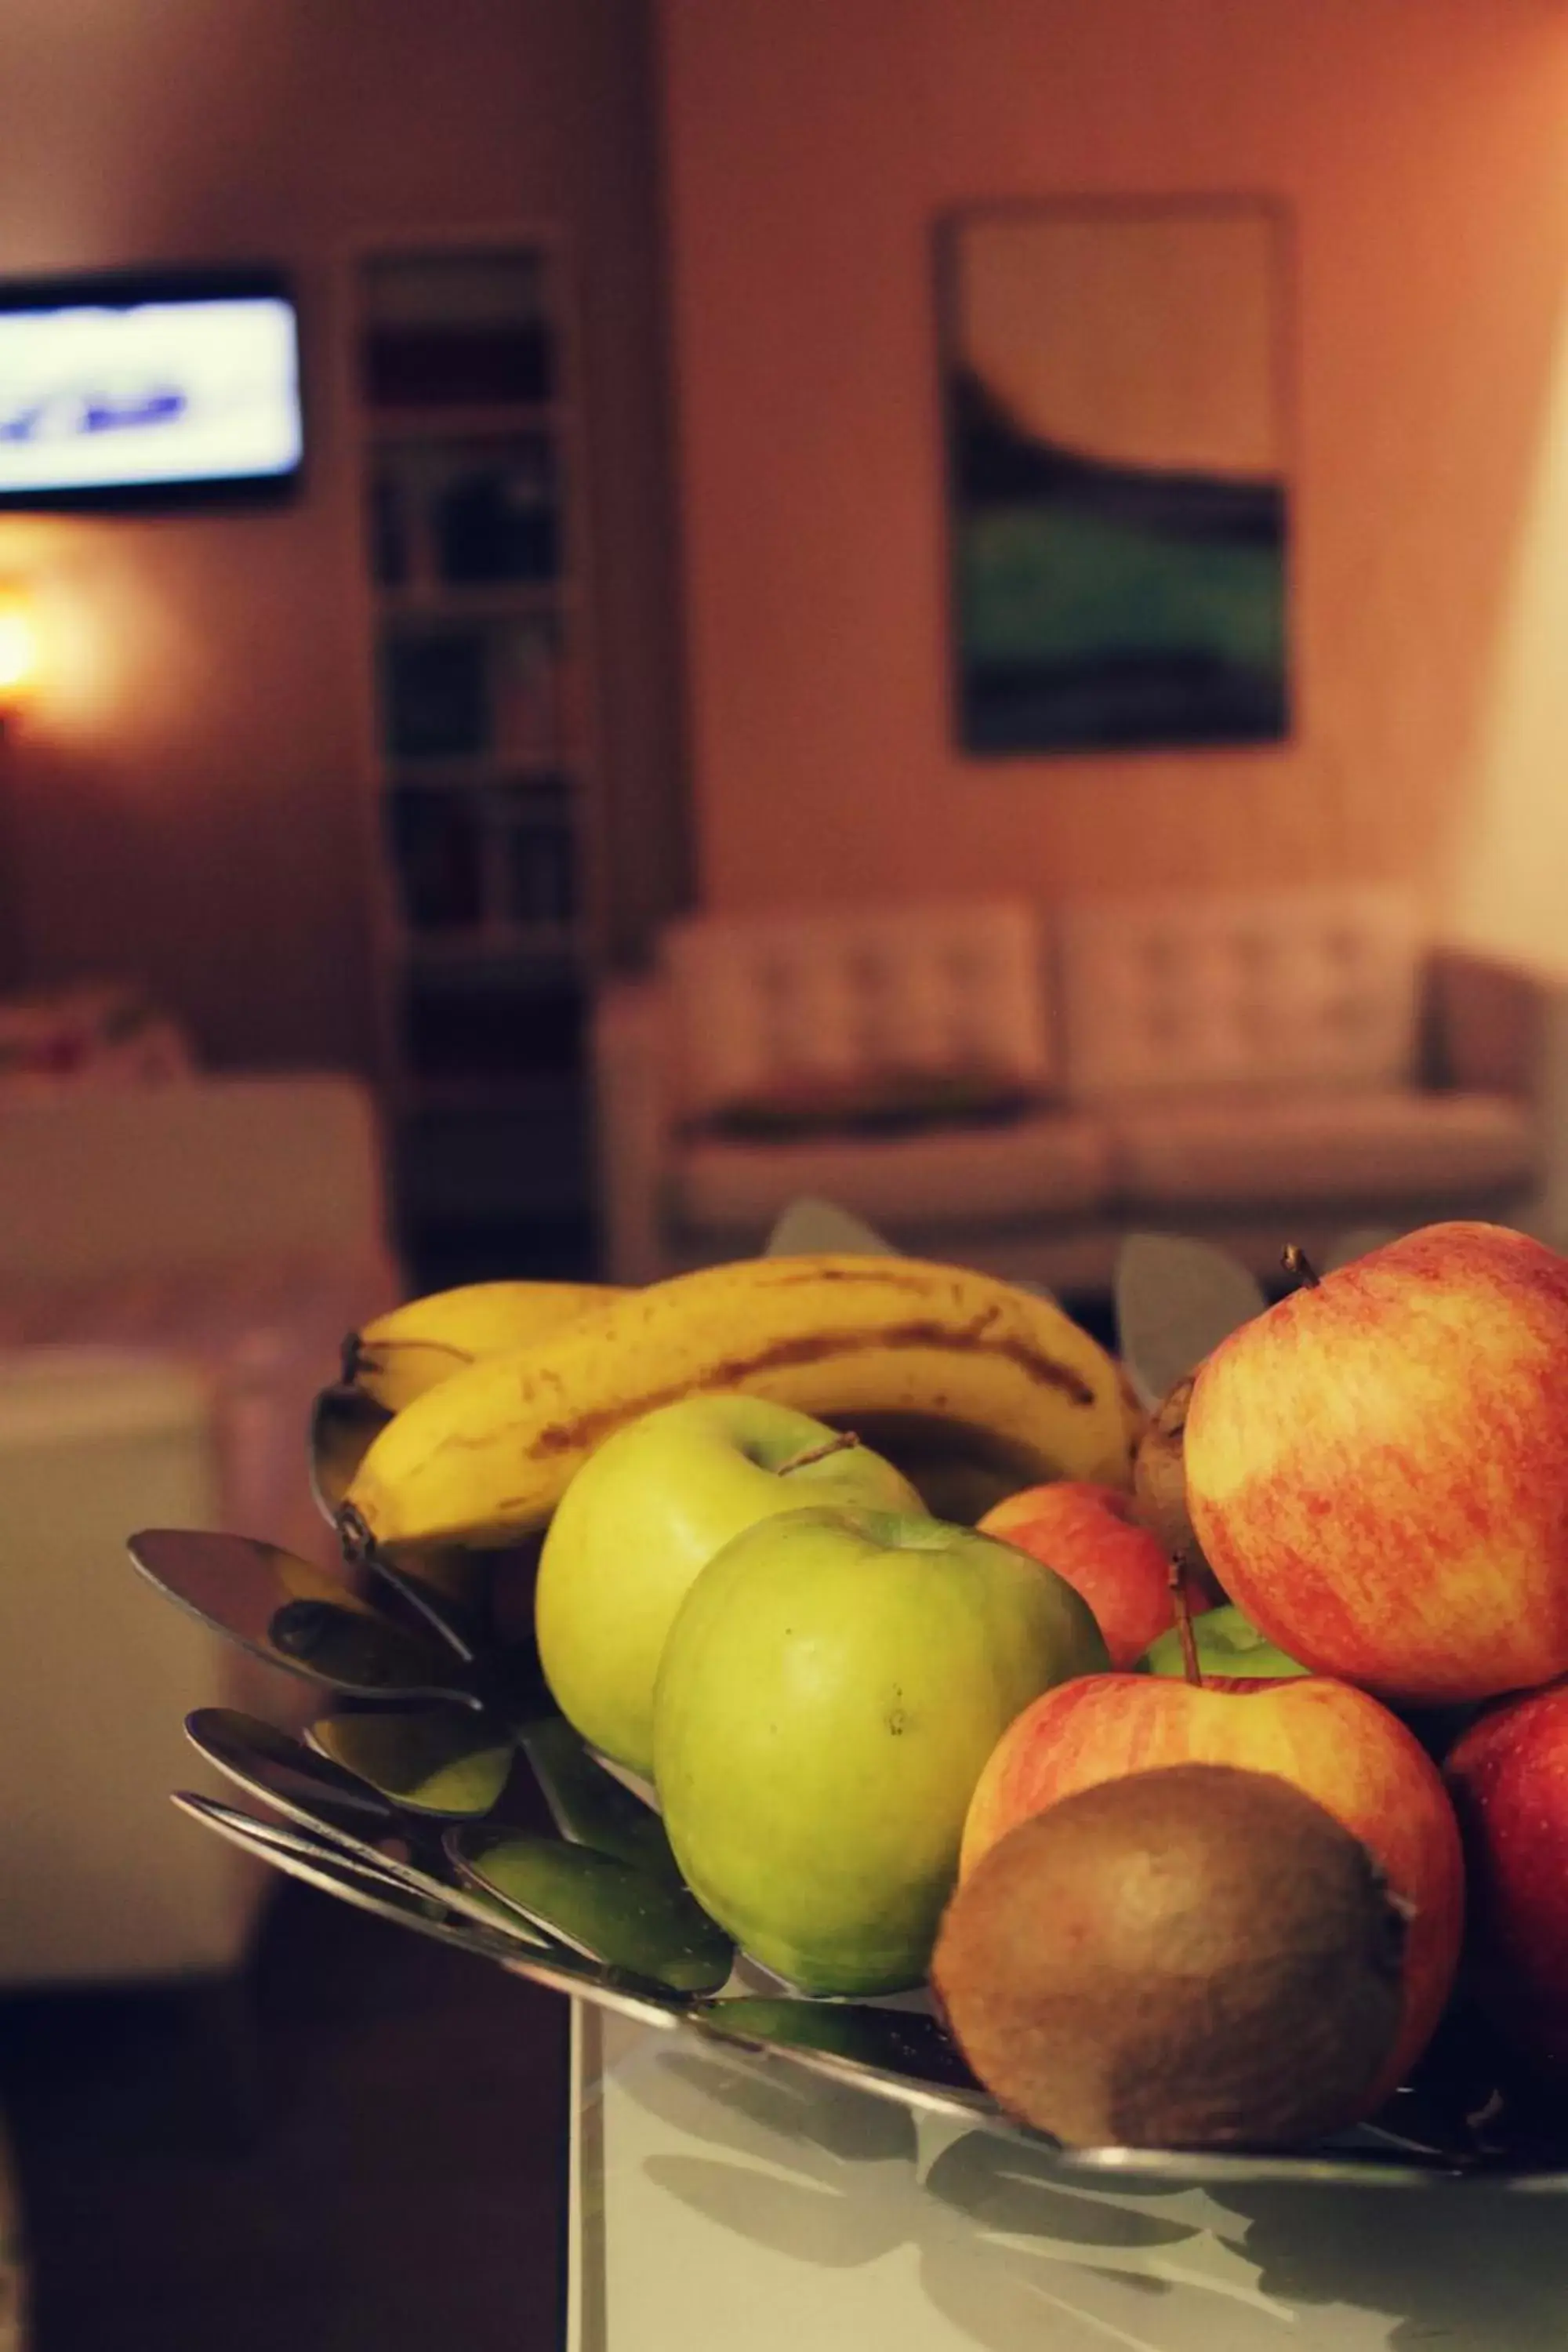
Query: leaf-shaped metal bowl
[
  {"x": 420, "y": 1793},
  {"x": 381, "y": 1807},
  {"x": 596, "y": 1910}
]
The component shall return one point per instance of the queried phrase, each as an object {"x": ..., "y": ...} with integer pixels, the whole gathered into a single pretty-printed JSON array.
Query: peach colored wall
[
  {"x": 1422, "y": 145},
  {"x": 186, "y": 802}
]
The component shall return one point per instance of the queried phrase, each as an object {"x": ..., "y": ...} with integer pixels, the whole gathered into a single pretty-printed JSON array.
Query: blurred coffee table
[{"x": 719, "y": 2202}]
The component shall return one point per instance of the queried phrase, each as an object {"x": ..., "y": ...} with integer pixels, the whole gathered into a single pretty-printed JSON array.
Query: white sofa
[
  {"x": 1249, "y": 1070},
  {"x": 178, "y": 1265}
]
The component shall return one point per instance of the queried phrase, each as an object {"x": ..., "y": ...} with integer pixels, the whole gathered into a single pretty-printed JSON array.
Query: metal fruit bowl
[{"x": 441, "y": 1790}]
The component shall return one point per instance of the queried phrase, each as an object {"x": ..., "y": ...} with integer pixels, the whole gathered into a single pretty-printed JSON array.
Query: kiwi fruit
[{"x": 1196, "y": 1956}]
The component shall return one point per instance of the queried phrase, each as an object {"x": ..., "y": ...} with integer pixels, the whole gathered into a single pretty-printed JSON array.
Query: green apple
[
  {"x": 829, "y": 1693},
  {"x": 1229, "y": 1650},
  {"x": 645, "y": 1514}
]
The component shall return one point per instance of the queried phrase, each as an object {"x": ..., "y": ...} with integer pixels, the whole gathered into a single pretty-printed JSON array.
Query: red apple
[
  {"x": 1377, "y": 1468},
  {"x": 1337, "y": 1743},
  {"x": 1088, "y": 1535},
  {"x": 1508, "y": 1776}
]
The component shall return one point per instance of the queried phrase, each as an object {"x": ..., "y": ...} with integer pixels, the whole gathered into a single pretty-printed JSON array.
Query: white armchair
[{"x": 177, "y": 1266}]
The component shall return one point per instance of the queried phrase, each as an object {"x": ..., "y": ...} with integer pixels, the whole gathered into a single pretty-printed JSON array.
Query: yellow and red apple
[
  {"x": 1089, "y": 1534},
  {"x": 1508, "y": 1776},
  {"x": 1377, "y": 1466},
  {"x": 1338, "y": 1744}
]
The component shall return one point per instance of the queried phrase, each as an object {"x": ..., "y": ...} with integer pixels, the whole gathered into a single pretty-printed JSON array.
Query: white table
[{"x": 721, "y": 2203}]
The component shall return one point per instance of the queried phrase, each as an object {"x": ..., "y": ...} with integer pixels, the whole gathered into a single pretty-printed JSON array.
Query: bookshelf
[{"x": 482, "y": 771}]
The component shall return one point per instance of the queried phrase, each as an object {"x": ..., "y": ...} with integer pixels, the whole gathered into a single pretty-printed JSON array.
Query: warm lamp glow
[{"x": 18, "y": 646}]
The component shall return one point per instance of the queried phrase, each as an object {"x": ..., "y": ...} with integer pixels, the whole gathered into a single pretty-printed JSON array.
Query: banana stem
[
  {"x": 354, "y": 1536},
  {"x": 350, "y": 1358},
  {"x": 838, "y": 1444}
]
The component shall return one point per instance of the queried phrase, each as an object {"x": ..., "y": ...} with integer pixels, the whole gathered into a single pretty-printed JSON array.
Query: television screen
[{"x": 143, "y": 390}]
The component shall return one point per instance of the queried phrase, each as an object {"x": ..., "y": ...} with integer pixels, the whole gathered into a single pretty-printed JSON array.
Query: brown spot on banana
[
  {"x": 585, "y": 1430},
  {"x": 789, "y": 1273}
]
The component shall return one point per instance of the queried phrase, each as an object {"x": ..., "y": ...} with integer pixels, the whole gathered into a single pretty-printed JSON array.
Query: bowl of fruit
[{"x": 1161, "y": 1755}]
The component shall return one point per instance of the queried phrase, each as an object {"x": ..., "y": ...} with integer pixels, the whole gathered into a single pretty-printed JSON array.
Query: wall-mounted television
[{"x": 149, "y": 389}]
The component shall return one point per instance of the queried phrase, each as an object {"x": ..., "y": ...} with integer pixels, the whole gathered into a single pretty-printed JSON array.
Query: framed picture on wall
[{"x": 1117, "y": 480}]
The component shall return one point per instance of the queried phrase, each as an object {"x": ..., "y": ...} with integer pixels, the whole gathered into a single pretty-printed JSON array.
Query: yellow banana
[
  {"x": 423, "y": 1343},
  {"x": 882, "y": 1345}
]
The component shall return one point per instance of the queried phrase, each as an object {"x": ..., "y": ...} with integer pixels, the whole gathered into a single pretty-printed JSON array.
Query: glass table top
[{"x": 720, "y": 2202}]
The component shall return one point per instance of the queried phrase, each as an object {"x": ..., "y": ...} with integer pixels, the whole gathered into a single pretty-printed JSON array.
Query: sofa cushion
[
  {"x": 772, "y": 1005},
  {"x": 882, "y": 1102},
  {"x": 1044, "y": 1164},
  {"x": 1320, "y": 1147},
  {"x": 1304, "y": 988}
]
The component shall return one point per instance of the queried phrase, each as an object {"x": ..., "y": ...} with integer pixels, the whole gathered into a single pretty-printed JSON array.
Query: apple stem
[
  {"x": 1184, "y": 1617},
  {"x": 1297, "y": 1265},
  {"x": 837, "y": 1443}
]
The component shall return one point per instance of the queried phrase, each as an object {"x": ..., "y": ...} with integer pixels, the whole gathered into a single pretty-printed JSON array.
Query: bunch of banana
[
  {"x": 886, "y": 1346},
  {"x": 416, "y": 1346}
]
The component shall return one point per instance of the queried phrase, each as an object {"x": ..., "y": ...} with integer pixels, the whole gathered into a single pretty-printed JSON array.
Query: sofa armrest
[
  {"x": 632, "y": 1100},
  {"x": 103, "y": 1878},
  {"x": 1501, "y": 1027},
  {"x": 1486, "y": 1024}
]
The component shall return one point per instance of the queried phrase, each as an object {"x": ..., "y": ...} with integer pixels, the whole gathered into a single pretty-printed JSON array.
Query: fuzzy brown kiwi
[{"x": 1197, "y": 1957}]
